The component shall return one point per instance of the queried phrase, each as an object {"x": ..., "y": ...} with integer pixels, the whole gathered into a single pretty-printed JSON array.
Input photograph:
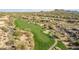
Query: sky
[
  {"x": 31, "y": 10},
  {"x": 24, "y": 10}
]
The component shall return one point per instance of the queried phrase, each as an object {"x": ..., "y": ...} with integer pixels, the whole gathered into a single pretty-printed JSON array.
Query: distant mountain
[{"x": 35, "y": 10}]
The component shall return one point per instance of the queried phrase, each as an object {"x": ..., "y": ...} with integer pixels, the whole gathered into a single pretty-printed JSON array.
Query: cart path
[{"x": 53, "y": 45}]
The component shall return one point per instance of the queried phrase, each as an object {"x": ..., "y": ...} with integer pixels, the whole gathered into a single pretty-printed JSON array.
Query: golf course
[{"x": 42, "y": 41}]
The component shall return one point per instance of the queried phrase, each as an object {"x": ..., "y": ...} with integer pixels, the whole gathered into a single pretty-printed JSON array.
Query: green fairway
[
  {"x": 61, "y": 45},
  {"x": 42, "y": 41}
]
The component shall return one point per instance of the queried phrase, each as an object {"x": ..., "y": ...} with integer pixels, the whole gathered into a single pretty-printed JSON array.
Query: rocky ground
[{"x": 13, "y": 39}]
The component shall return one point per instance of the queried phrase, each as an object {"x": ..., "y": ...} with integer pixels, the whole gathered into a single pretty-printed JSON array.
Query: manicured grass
[
  {"x": 61, "y": 45},
  {"x": 42, "y": 41}
]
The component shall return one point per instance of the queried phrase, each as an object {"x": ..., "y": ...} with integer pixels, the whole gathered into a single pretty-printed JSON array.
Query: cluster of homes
[{"x": 57, "y": 25}]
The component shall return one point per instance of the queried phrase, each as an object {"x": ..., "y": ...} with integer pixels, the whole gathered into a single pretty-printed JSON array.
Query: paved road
[{"x": 58, "y": 48}]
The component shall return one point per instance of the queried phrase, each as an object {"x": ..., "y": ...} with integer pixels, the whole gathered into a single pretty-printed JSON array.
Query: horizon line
[{"x": 32, "y": 10}]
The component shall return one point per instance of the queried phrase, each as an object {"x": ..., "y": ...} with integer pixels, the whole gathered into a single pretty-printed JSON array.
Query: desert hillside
[{"x": 44, "y": 30}]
